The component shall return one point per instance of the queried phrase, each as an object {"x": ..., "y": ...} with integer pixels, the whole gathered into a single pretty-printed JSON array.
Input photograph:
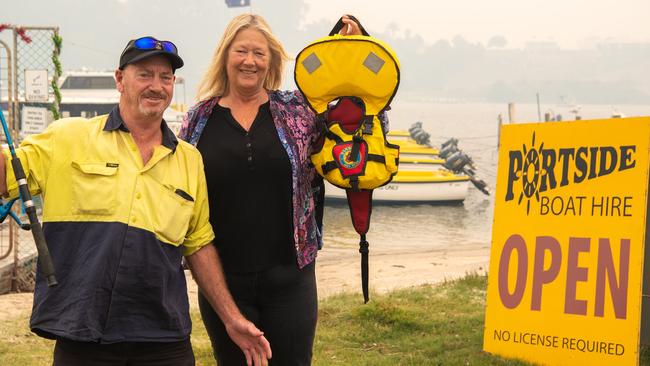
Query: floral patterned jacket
[{"x": 298, "y": 130}]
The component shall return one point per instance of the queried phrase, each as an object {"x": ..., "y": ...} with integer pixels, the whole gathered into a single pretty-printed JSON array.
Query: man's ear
[{"x": 119, "y": 76}]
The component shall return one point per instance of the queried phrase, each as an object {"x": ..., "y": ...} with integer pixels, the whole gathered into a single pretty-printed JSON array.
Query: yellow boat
[
  {"x": 413, "y": 156},
  {"x": 420, "y": 164},
  {"x": 421, "y": 177},
  {"x": 409, "y": 148},
  {"x": 416, "y": 186}
]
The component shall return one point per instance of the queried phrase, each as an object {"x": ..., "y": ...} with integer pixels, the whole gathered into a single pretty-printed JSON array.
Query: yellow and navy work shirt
[{"x": 116, "y": 229}]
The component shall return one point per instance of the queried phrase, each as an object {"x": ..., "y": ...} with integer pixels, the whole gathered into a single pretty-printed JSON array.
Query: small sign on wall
[
  {"x": 36, "y": 86},
  {"x": 34, "y": 119}
]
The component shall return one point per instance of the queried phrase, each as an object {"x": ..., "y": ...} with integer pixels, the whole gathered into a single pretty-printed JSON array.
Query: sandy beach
[{"x": 338, "y": 271}]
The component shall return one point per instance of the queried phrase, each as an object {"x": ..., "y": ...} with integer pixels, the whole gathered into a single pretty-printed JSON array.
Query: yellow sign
[{"x": 566, "y": 264}]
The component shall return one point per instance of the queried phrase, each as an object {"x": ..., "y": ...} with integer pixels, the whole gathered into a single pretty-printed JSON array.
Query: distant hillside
[
  {"x": 612, "y": 73},
  {"x": 459, "y": 70}
]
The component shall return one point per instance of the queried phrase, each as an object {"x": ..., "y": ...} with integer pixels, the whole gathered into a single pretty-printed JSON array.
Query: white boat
[
  {"x": 415, "y": 186},
  {"x": 87, "y": 94}
]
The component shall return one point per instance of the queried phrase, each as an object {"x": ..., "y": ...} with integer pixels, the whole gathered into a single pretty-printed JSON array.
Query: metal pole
[
  {"x": 14, "y": 104},
  {"x": 6, "y": 50},
  {"x": 13, "y": 242},
  {"x": 539, "y": 112},
  {"x": 14, "y": 271},
  {"x": 10, "y": 88},
  {"x": 30, "y": 27}
]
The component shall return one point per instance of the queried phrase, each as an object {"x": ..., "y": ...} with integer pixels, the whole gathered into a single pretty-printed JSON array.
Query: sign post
[{"x": 566, "y": 264}]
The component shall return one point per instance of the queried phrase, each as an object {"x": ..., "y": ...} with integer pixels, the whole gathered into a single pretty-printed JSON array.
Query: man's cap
[{"x": 145, "y": 47}]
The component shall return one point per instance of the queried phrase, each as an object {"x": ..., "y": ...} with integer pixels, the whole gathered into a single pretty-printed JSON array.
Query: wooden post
[
  {"x": 500, "y": 119},
  {"x": 511, "y": 112}
]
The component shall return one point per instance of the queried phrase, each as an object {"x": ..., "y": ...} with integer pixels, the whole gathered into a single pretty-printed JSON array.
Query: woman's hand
[{"x": 351, "y": 28}]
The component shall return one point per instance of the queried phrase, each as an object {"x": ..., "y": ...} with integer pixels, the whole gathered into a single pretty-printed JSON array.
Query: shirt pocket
[
  {"x": 94, "y": 188},
  {"x": 172, "y": 218}
]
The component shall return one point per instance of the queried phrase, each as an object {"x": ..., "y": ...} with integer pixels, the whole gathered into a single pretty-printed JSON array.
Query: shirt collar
[{"x": 115, "y": 122}]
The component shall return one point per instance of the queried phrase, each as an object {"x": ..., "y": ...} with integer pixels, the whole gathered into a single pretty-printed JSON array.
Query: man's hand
[
  {"x": 251, "y": 341},
  {"x": 351, "y": 28}
]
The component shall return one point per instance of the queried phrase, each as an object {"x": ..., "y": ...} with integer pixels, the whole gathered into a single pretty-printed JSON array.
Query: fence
[{"x": 29, "y": 71}]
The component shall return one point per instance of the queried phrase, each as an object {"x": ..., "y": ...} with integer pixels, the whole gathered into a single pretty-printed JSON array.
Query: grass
[
  {"x": 427, "y": 325},
  {"x": 19, "y": 346}
]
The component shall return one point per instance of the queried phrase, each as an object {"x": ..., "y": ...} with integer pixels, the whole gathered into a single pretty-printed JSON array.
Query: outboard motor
[
  {"x": 417, "y": 126},
  {"x": 419, "y": 134},
  {"x": 448, "y": 151},
  {"x": 480, "y": 185},
  {"x": 451, "y": 141},
  {"x": 421, "y": 137},
  {"x": 457, "y": 161}
]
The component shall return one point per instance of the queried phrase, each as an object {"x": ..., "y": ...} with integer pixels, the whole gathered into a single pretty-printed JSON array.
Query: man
[{"x": 124, "y": 200}]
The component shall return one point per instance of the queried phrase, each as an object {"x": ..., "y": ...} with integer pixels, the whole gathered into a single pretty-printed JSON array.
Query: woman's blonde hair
[{"x": 215, "y": 80}]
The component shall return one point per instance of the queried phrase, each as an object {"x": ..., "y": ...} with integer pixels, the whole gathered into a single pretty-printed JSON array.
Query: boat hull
[
  {"x": 449, "y": 191},
  {"x": 415, "y": 165},
  {"x": 417, "y": 155}
]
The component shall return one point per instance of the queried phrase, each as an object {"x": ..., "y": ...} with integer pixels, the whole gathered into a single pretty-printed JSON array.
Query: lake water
[{"x": 470, "y": 223}]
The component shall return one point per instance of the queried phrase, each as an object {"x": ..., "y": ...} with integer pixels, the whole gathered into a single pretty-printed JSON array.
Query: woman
[{"x": 265, "y": 198}]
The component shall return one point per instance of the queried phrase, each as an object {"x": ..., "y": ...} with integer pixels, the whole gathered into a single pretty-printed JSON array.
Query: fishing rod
[{"x": 44, "y": 259}]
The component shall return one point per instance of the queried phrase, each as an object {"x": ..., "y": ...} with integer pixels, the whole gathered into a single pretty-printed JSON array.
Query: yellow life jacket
[{"x": 348, "y": 81}]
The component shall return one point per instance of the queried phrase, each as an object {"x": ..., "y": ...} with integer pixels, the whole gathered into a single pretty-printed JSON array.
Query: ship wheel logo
[{"x": 531, "y": 174}]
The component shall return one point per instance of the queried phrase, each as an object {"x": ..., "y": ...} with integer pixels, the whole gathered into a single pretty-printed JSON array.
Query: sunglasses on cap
[
  {"x": 139, "y": 49},
  {"x": 150, "y": 43}
]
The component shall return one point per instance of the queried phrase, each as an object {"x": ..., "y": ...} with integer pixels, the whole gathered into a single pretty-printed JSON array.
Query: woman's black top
[{"x": 249, "y": 191}]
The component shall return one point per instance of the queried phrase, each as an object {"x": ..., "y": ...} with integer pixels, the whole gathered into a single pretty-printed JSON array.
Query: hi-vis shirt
[{"x": 116, "y": 230}]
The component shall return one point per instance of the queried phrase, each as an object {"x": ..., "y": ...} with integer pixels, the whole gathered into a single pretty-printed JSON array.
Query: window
[{"x": 89, "y": 82}]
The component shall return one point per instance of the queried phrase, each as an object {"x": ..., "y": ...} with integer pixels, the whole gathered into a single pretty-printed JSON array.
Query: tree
[{"x": 497, "y": 42}]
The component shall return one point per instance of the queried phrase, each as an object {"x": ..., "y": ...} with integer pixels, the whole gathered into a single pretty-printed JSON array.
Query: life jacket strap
[
  {"x": 363, "y": 249},
  {"x": 356, "y": 145},
  {"x": 329, "y": 166},
  {"x": 354, "y": 182},
  {"x": 322, "y": 117},
  {"x": 377, "y": 158},
  {"x": 368, "y": 122},
  {"x": 339, "y": 25},
  {"x": 332, "y": 136}
]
